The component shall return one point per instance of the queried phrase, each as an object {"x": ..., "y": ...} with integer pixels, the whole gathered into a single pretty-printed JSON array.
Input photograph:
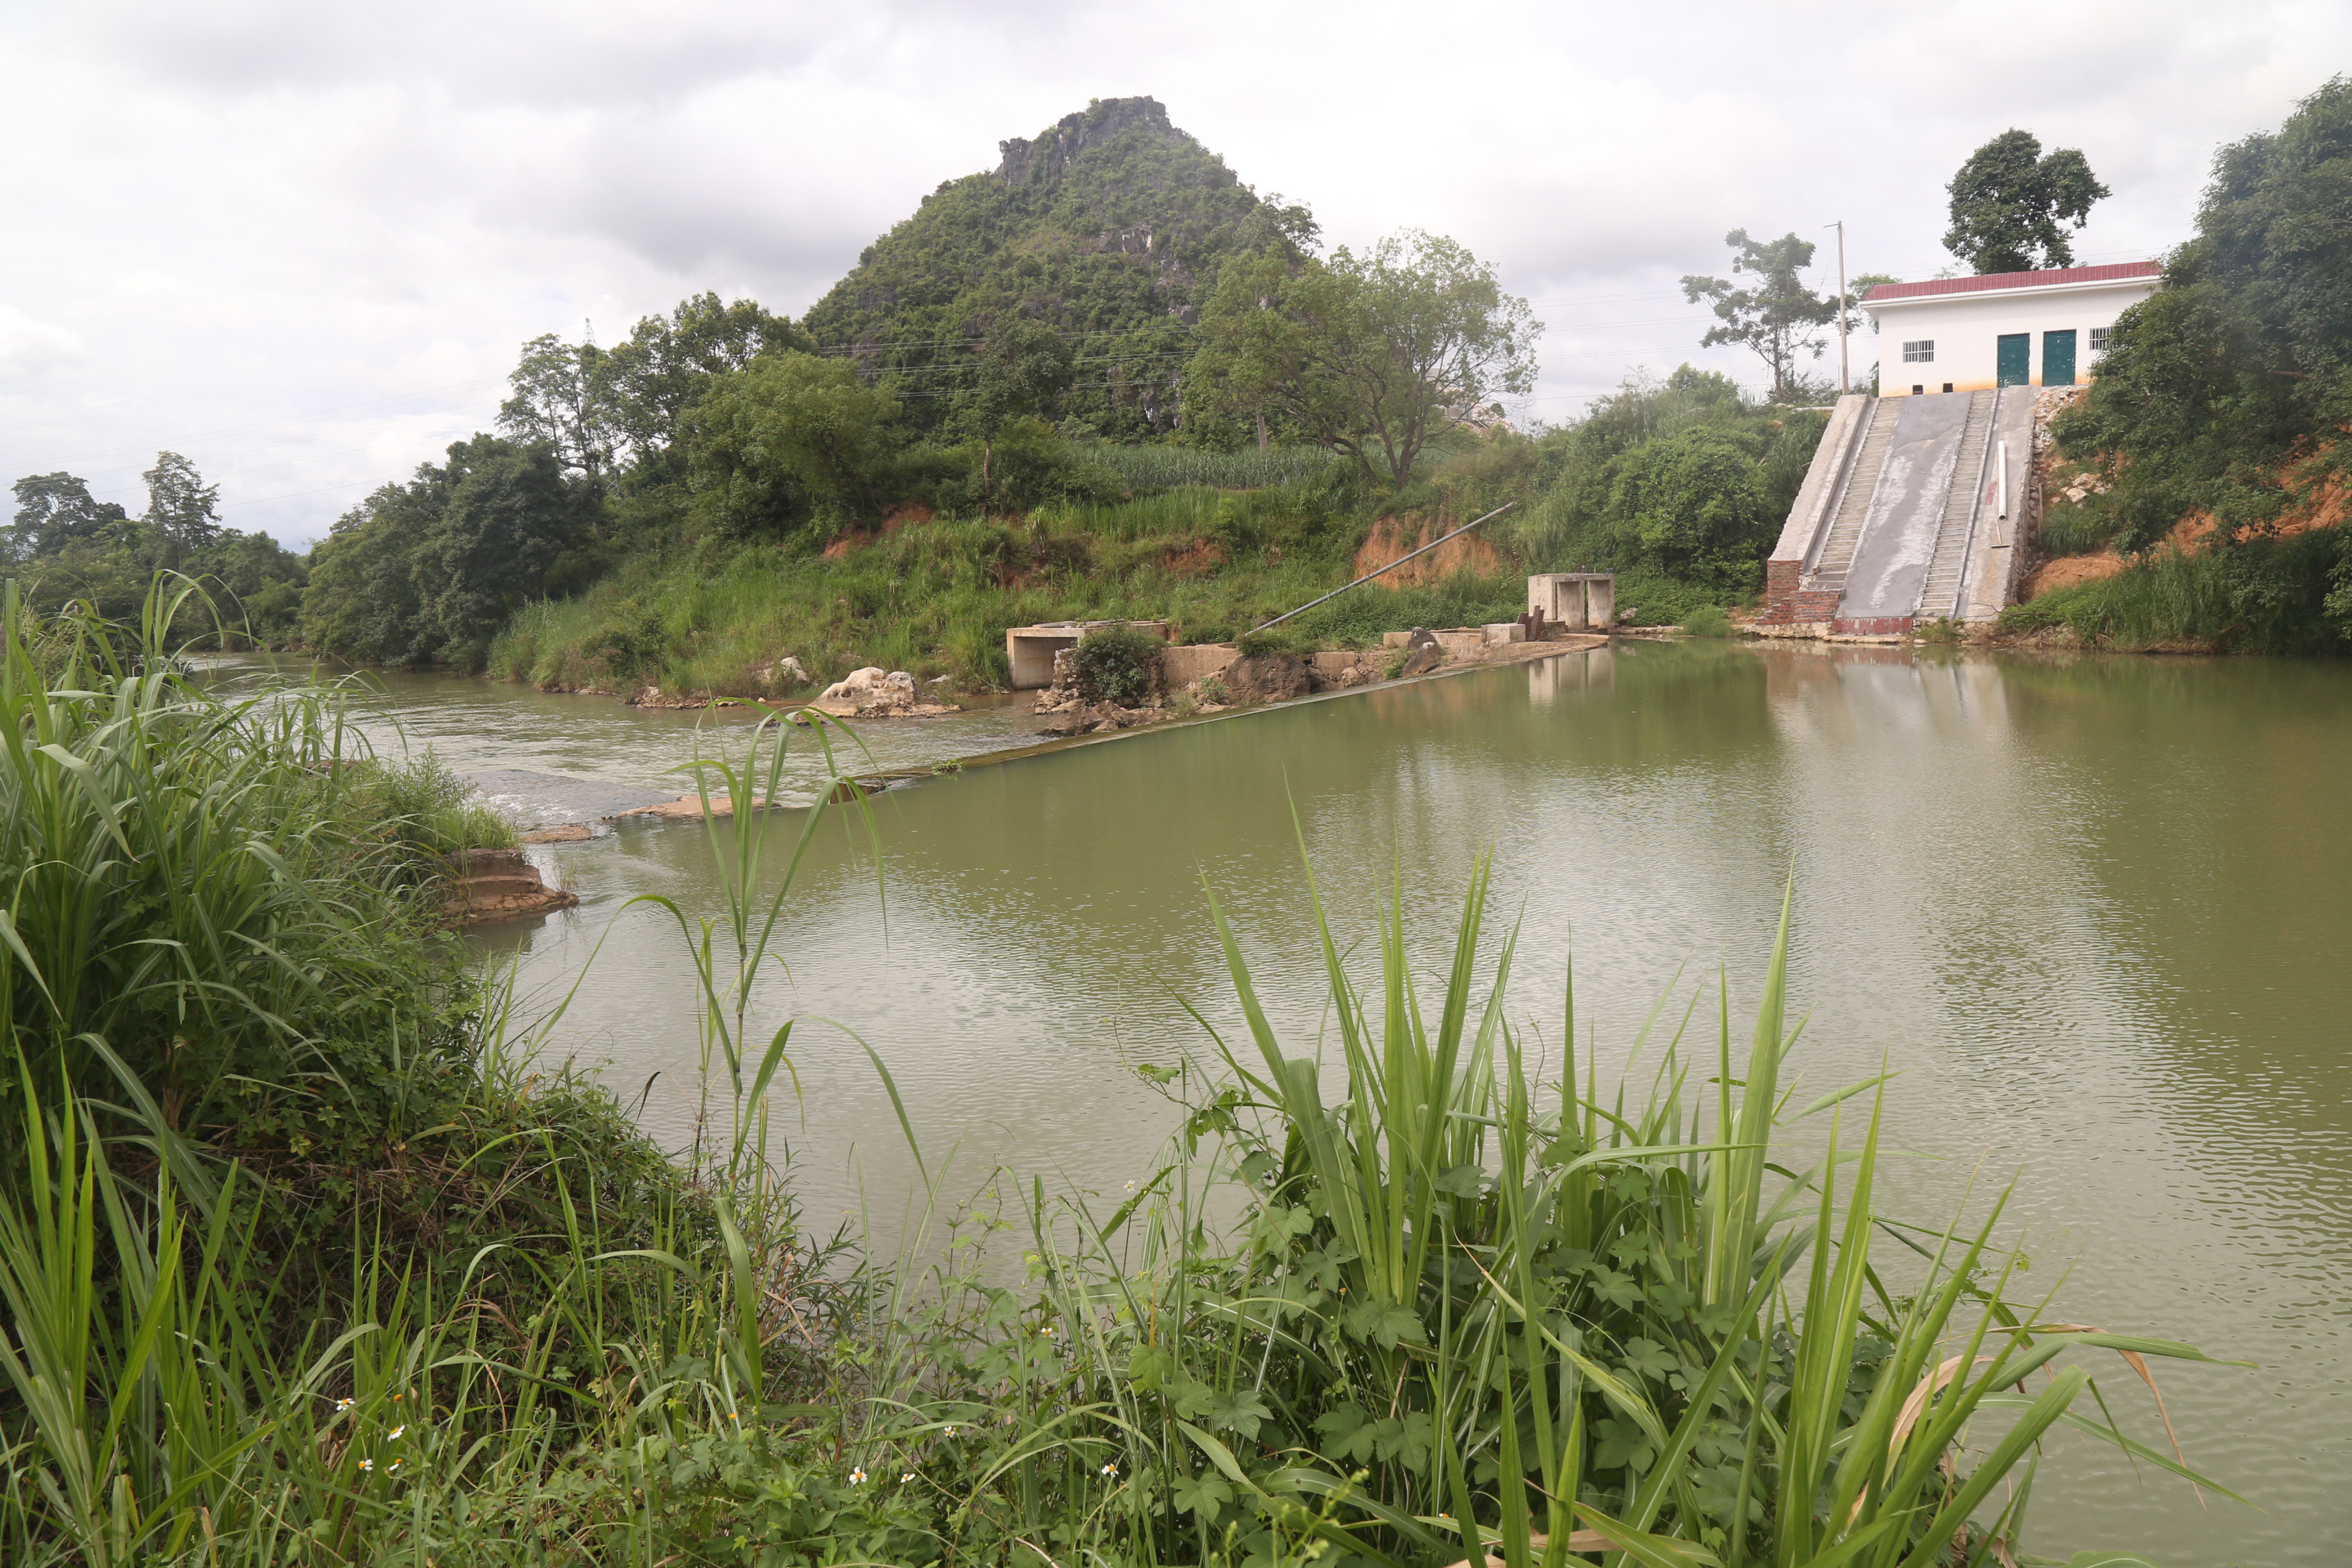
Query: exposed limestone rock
[
  {"x": 870, "y": 693},
  {"x": 1027, "y": 163}
]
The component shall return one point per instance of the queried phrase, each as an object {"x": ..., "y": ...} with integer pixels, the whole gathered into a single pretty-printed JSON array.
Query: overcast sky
[{"x": 300, "y": 241}]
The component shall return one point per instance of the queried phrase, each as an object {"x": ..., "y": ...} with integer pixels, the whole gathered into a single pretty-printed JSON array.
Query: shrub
[
  {"x": 1118, "y": 664},
  {"x": 1707, "y": 621}
]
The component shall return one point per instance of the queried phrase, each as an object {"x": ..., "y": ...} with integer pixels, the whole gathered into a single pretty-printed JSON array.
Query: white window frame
[{"x": 1919, "y": 353}]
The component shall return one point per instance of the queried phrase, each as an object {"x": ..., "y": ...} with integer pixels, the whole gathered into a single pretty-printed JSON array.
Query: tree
[
  {"x": 180, "y": 505},
  {"x": 1024, "y": 366},
  {"x": 1370, "y": 356},
  {"x": 362, "y": 601},
  {"x": 668, "y": 361},
  {"x": 790, "y": 436},
  {"x": 436, "y": 566},
  {"x": 1780, "y": 319},
  {"x": 1689, "y": 503},
  {"x": 563, "y": 398},
  {"x": 53, "y": 509},
  {"x": 2010, "y": 202},
  {"x": 2210, "y": 388},
  {"x": 510, "y": 516}
]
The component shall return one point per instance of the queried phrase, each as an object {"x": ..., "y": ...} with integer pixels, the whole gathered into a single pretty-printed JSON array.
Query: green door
[
  {"x": 2013, "y": 362},
  {"x": 2058, "y": 359}
]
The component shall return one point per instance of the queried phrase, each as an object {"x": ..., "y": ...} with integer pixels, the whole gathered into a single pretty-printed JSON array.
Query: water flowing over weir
[{"x": 2090, "y": 910}]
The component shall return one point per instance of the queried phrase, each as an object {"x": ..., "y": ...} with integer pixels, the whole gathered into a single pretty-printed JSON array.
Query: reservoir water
[{"x": 2096, "y": 912}]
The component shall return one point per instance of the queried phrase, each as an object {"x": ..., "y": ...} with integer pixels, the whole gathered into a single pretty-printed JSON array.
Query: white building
[{"x": 2003, "y": 329}]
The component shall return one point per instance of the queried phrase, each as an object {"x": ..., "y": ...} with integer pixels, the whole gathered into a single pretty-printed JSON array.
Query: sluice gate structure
[{"x": 1914, "y": 510}]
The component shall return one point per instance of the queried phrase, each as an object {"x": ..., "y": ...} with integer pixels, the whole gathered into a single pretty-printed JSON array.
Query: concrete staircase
[
  {"x": 1940, "y": 595},
  {"x": 1828, "y": 571}
]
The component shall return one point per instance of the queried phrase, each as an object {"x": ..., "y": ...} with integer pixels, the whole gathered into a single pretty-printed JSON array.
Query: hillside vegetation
[
  {"x": 1679, "y": 487},
  {"x": 2215, "y": 430}
]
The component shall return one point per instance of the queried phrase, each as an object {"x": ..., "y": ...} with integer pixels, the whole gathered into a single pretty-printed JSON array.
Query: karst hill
[{"x": 1108, "y": 225}]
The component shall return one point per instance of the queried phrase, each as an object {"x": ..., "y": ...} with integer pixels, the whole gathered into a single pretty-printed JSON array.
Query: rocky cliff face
[{"x": 1026, "y": 163}]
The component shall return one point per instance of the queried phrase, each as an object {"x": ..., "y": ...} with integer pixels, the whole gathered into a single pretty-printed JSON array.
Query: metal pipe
[{"x": 1391, "y": 566}]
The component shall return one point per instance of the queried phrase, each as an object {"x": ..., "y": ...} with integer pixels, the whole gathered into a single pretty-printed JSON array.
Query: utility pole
[{"x": 1845, "y": 385}]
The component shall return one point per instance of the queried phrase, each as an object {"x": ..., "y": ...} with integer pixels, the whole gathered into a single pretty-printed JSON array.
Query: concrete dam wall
[{"x": 1914, "y": 510}]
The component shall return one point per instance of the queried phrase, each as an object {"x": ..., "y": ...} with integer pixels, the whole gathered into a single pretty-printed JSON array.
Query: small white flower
[
  {"x": 341, "y": 1405},
  {"x": 948, "y": 1433},
  {"x": 367, "y": 1464},
  {"x": 396, "y": 1431},
  {"x": 858, "y": 1478},
  {"x": 393, "y": 1465},
  {"x": 1111, "y": 1470},
  {"x": 905, "y": 1478}
]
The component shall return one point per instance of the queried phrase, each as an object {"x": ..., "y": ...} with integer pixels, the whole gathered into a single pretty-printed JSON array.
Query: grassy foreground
[{"x": 1406, "y": 1306}]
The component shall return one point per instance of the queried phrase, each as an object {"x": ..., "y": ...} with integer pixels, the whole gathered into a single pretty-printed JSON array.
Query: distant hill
[{"x": 1111, "y": 225}]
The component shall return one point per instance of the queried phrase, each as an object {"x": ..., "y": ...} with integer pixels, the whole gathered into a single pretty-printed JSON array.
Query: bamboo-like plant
[{"x": 1454, "y": 1320}]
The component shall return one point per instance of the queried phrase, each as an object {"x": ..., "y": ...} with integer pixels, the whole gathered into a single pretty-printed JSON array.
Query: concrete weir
[{"x": 1911, "y": 512}]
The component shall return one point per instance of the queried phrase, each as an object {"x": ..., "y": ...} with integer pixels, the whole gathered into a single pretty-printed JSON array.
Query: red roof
[{"x": 2111, "y": 273}]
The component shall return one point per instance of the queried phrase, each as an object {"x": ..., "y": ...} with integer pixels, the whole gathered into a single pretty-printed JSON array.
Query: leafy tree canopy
[
  {"x": 53, "y": 510},
  {"x": 2229, "y": 390},
  {"x": 790, "y": 438},
  {"x": 434, "y": 567},
  {"x": 2012, "y": 203},
  {"x": 180, "y": 505},
  {"x": 1687, "y": 476},
  {"x": 1370, "y": 355},
  {"x": 1778, "y": 318}
]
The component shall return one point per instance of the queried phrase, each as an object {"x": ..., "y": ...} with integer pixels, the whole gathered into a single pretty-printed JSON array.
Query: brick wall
[{"x": 1781, "y": 582}]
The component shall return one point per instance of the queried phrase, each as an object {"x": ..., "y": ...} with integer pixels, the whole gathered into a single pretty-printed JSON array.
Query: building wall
[{"x": 1965, "y": 329}]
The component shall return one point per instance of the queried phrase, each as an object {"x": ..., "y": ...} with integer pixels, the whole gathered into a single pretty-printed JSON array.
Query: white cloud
[
  {"x": 301, "y": 241},
  {"x": 31, "y": 349}
]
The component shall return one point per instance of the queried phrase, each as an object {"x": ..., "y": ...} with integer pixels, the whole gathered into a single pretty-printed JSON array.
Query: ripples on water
[{"x": 2094, "y": 913}]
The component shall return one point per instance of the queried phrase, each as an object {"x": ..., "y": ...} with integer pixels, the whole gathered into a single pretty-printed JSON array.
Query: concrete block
[
  {"x": 1030, "y": 650},
  {"x": 1576, "y": 599},
  {"x": 1182, "y": 665},
  {"x": 1506, "y": 632}
]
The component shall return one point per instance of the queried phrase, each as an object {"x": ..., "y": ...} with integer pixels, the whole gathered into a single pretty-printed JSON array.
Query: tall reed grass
[
  {"x": 1445, "y": 1313},
  {"x": 1170, "y": 467}
]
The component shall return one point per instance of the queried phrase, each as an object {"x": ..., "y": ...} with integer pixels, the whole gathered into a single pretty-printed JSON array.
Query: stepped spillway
[{"x": 1911, "y": 512}]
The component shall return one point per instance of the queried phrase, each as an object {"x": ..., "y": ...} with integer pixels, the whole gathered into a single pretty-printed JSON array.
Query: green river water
[{"x": 2097, "y": 911}]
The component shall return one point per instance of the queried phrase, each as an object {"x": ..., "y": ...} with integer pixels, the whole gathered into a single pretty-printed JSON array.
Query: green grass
[
  {"x": 936, "y": 598},
  {"x": 2264, "y": 596},
  {"x": 1167, "y": 467}
]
